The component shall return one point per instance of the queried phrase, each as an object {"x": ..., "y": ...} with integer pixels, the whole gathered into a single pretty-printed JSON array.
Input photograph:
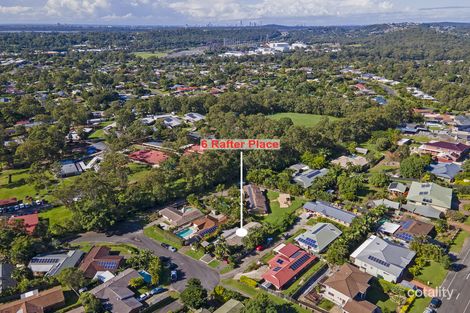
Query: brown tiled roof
[
  {"x": 353, "y": 306},
  {"x": 179, "y": 218},
  {"x": 37, "y": 303},
  {"x": 349, "y": 280},
  {"x": 94, "y": 260},
  {"x": 415, "y": 227}
]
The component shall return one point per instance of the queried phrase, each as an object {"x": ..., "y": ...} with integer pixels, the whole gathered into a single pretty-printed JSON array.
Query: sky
[{"x": 232, "y": 12}]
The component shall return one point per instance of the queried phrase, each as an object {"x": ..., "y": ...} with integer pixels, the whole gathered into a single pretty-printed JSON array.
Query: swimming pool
[{"x": 185, "y": 233}]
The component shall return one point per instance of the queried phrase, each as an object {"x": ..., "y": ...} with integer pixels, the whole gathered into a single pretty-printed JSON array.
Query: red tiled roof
[
  {"x": 94, "y": 260},
  {"x": 30, "y": 221},
  {"x": 281, "y": 269},
  {"x": 149, "y": 156},
  {"x": 457, "y": 147}
]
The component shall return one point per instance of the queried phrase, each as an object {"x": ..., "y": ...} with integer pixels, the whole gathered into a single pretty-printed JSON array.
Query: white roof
[{"x": 389, "y": 228}]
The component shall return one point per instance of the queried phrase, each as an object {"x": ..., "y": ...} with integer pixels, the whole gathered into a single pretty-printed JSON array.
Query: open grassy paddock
[{"x": 302, "y": 119}]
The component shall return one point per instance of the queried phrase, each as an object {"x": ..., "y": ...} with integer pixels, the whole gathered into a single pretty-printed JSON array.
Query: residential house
[
  {"x": 385, "y": 202},
  {"x": 325, "y": 209},
  {"x": 231, "y": 306},
  {"x": 208, "y": 224},
  {"x": 298, "y": 168},
  {"x": 305, "y": 178},
  {"x": 36, "y": 302},
  {"x": 52, "y": 264},
  {"x": 8, "y": 202},
  {"x": 446, "y": 171},
  {"x": 318, "y": 238},
  {"x": 6, "y": 281},
  {"x": 231, "y": 237},
  {"x": 412, "y": 129},
  {"x": 193, "y": 149},
  {"x": 30, "y": 221},
  {"x": 382, "y": 259},
  {"x": 444, "y": 151},
  {"x": 462, "y": 123},
  {"x": 347, "y": 288},
  {"x": 116, "y": 295},
  {"x": 68, "y": 169},
  {"x": 152, "y": 157},
  {"x": 397, "y": 189},
  {"x": 352, "y": 160},
  {"x": 256, "y": 199},
  {"x": 193, "y": 117},
  {"x": 431, "y": 195},
  {"x": 388, "y": 228},
  {"x": 99, "y": 260},
  {"x": 179, "y": 218},
  {"x": 410, "y": 228},
  {"x": 289, "y": 262}
]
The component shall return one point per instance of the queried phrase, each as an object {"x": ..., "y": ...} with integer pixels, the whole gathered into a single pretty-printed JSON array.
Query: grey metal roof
[
  {"x": 397, "y": 186},
  {"x": 387, "y": 203},
  {"x": 430, "y": 193},
  {"x": 384, "y": 255},
  {"x": 322, "y": 234},
  {"x": 305, "y": 179},
  {"x": 423, "y": 210},
  {"x": 445, "y": 170},
  {"x": 328, "y": 210}
]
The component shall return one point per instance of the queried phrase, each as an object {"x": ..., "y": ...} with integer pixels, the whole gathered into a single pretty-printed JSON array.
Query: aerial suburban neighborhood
[{"x": 337, "y": 179}]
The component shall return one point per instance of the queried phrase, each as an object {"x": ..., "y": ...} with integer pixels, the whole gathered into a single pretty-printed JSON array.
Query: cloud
[
  {"x": 75, "y": 7},
  {"x": 232, "y": 9},
  {"x": 14, "y": 9}
]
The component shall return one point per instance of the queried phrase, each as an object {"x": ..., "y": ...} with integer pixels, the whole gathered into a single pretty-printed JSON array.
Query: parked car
[
  {"x": 429, "y": 310},
  {"x": 174, "y": 276},
  {"x": 164, "y": 245},
  {"x": 259, "y": 248},
  {"x": 156, "y": 290},
  {"x": 435, "y": 303},
  {"x": 144, "y": 296},
  {"x": 172, "y": 249}
]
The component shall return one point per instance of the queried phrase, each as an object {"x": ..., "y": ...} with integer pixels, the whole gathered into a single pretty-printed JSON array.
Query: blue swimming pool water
[{"x": 185, "y": 233}]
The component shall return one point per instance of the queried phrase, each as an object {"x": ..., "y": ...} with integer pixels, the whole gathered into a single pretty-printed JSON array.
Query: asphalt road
[
  {"x": 458, "y": 284},
  {"x": 187, "y": 267}
]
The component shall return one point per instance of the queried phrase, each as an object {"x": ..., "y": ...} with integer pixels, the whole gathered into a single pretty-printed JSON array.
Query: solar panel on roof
[
  {"x": 309, "y": 242},
  {"x": 379, "y": 261},
  {"x": 279, "y": 261},
  {"x": 405, "y": 236},
  {"x": 407, "y": 224},
  {"x": 313, "y": 174},
  {"x": 299, "y": 262}
]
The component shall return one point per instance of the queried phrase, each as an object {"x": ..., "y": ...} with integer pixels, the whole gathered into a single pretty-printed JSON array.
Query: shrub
[{"x": 248, "y": 281}]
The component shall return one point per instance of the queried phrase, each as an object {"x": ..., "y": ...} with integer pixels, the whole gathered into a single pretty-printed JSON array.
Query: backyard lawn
[
  {"x": 377, "y": 296},
  {"x": 278, "y": 214},
  {"x": 195, "y": 254},
  {"x": 434, "y": 273},
  {"x": 159, "y": 235},
  {"x": 301, "y": 119}
]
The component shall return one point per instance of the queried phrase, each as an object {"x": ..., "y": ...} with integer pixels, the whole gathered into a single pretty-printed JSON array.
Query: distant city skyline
[{"x": 231, "y": 12}]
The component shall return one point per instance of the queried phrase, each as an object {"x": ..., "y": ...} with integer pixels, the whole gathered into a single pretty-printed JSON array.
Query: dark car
[
  {"x": 164, "y": 245},
  {"x": 435, "y": 303}
]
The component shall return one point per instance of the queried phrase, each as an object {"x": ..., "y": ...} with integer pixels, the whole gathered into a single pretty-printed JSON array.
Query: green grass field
[
  {"x": 159, "y": 235},
  {"x": 18, "y": 188},
  {"x": 459, "y": 240},
  {"x": 301, "y": 119},
  {"x": 419, "y": 305},
  {"x": 434, "y": 273},
  {"x": 147, "y": 55},
  {"x": 277, "y": 214},
  {"x": 57, "y": 216}
]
